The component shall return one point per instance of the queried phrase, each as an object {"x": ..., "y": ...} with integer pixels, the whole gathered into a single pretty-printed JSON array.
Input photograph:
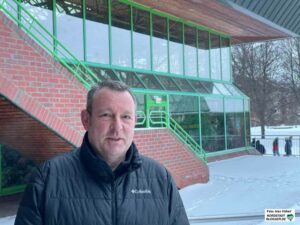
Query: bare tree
[
  {"x": 255, "y": 69},
  {"x": 291, "y": 75}
]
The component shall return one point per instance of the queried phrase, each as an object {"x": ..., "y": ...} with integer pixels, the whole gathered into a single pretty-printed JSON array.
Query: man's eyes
[{"x": 109, "y": 116}]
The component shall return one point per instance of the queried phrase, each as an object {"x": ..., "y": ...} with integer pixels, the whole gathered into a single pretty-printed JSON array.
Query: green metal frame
[{"x": 82, "y": 73}]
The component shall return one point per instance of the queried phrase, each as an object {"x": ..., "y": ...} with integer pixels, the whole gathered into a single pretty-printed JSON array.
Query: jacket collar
[{"x": 98, "y": 167}]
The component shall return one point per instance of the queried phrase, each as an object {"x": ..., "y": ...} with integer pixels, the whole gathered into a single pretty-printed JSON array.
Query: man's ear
[{"x": 85, "y": 117}]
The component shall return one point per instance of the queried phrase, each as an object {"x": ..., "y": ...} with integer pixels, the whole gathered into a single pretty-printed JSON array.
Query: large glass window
[
  {"x": 69, "y": 26},
  {"x": 226, "y": 61},
  {"x": 234, "y": 123},
  {"x": 97, "y": 35},
  {"x": 190, "y": 51},
  {"x": 212, "y": 124},
  {"x": 159, "y": 43},
  {"x": 203, "y": 54},
  {"x": 42, "y": 10},
  {"x": 215, "y": 57},
  {"x": 15, "y": 168},
  {"x": 187, "y": 116},
  {"x": 247, "y": 120},
  {"x": 121, "y": 34},
  {"x": 176, "y": 47},
  {"x": 141, "y": 39}
]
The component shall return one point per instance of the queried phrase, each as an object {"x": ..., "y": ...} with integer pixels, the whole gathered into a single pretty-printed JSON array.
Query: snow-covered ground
[
  {"x": 249, "y": 184},
  {"x": 242, "y": 185}
]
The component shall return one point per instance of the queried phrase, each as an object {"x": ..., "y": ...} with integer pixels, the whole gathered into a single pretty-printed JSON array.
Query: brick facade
[{"x": 45, "y": 92}]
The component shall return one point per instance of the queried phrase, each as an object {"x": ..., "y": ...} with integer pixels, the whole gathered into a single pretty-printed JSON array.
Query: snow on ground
[{"x": 246, "y": 184}]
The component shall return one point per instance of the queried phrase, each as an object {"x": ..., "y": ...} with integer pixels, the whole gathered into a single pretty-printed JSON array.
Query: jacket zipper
[{"x": 114, "y": 203}]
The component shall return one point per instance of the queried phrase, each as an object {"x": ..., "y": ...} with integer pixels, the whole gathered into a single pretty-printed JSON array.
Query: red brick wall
[
  {"x": 162, "y": 145},
  {"x": 28, "y": 67}
]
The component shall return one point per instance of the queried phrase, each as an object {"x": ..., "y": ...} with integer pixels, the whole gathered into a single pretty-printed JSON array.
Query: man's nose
[{"x": 117, "y": 124}]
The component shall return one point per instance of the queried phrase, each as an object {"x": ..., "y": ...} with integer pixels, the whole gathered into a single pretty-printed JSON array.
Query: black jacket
[{"x": 79, "y": 188}]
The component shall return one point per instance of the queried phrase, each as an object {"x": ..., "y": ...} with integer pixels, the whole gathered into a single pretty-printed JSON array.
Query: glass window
[
  {"x": 42, "y": 10},
  {"x": 120, "y": 34},
  {"x": 226, "y": 60},
  {"x": 222, "y": 89},
  {"x": 233, "y": 89},
  {"x": 168, "y": 83},
  {"x": 200, "y": 86},
  {"x": 203, "y": 54},
  {"x": 183, "y": 84},
  {"x": 141, "y": 39},
  {"x": 159, "y": 43},
  {"x": 150, "y": 81},
  {"x": 16, "y": 169},
  {"x": 104, "y": 74},
  {"x": 11, "y": 6},
  {"x": 69, "y": 26},
  {"x": 247, "y": 120},
  {"x": 129, "y": 78},
  {"x": 234, "y": 123},
  {"x": 176, "y": 47},
  {"x": 190, "y": 51},
  {"x": 97, "y": 35},
  {"x": 212, "y": 124},
  {"x": 140, "y": 111},
  {"x": 215, "y": 57},
  {"x": 187, "y": 116}
]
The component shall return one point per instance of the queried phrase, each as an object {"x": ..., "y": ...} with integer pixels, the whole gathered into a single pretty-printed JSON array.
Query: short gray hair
[{"x": 110, "y": 84}]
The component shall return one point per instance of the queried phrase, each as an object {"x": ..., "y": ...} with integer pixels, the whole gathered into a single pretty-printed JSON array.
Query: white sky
[{"x": 246, "y": 184}]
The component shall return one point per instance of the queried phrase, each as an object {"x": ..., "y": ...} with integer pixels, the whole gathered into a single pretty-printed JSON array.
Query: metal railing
[
  {"x": 267, "y": 142},
  {"x": 34, "y": 29},
  {"x": 162, "y": 119}
]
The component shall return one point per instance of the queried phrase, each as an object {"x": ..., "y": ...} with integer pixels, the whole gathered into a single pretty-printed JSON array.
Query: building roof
[{"x": 229, "y": 16}]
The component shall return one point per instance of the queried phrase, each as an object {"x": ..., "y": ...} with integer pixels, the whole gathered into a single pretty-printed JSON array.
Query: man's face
[{"x": 111, "y": 123}]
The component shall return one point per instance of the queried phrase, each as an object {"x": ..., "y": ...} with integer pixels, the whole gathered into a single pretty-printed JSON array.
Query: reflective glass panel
[
  {"x": 69, "y": 26},
  {"x": 159, "y": 43},
  {"x": 212, "y": 124},
  {"x": 183, "y": 84},
  {"x": 200, "y": 87},
  {"x": 150, "y": 81},
  {"x": 97, "y": 37},
  {"x": 15, "y": 167},
  {"x": 104, "y": 74},
  {"x": 176, "y": 47},
  {"x": 140, "y": 112},
  {"x": 129, "y": 78},
  {"x": 222, "y": 89},
  {"x": 247, "y": 120},
  {"x": 233, "y": 89},
  {"x": 215, "y": 57},
  {"x": 203, "y": 54},
  {"x": 168, "y": 83},
  {"x": 187, "y": 116},
  {"x": 226, "y": 60},
  {"x": 141, "y": 39},
  {"x": 235, "y": 123},
  {"x": 42, "y": 10},
  {"x": 190, "y": 51},
  {"x": 120, "y": 34}
]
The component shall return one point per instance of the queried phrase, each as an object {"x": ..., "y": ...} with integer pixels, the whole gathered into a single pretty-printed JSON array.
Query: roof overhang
[{"x": 219, "y": 17}]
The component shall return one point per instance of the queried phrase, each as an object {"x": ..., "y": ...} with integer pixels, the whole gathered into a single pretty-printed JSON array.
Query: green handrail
[
  {"x": 163, "y": 118},
  {"x": 141, "y": 117},
  {"x": 51, "y": 44}
]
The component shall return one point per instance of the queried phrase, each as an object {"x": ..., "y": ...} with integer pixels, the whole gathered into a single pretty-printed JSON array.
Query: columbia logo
[{"x": 139, "y": 191}]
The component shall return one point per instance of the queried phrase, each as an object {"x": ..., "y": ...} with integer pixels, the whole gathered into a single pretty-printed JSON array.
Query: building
[{"x": 174, "y": 54}]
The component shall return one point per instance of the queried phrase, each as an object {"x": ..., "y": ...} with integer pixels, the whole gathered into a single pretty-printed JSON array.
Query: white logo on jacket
[{"x": 140, "y": 191}]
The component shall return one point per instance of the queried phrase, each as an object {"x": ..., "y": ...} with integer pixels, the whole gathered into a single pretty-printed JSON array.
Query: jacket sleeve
[
  {"x": 176, "y": 209},
  {"x": 30, "y": 210}
]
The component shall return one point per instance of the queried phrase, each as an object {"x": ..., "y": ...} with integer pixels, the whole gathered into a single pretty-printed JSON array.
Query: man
[{"x": 105, "y": 181}]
